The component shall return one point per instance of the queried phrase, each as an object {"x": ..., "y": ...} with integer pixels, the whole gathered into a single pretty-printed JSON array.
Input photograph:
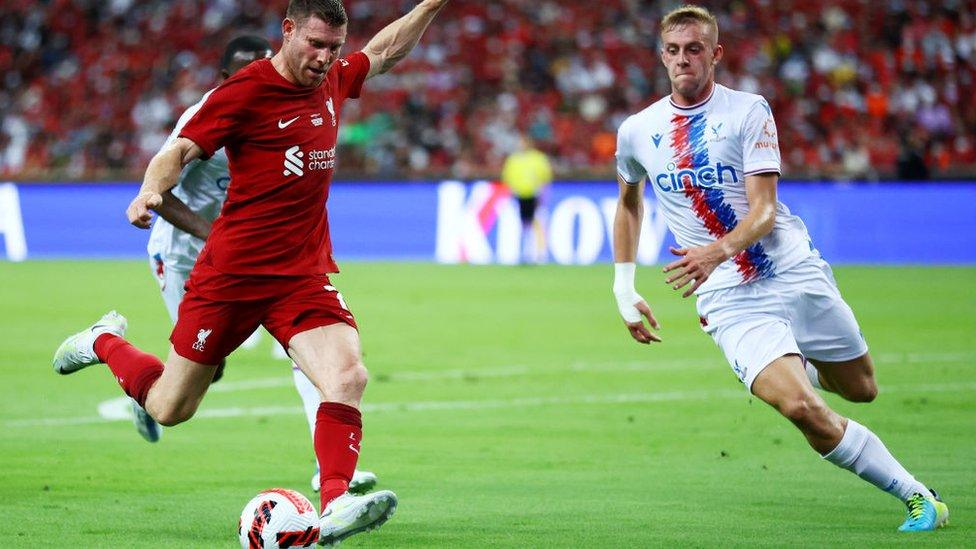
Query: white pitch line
[
  {"x": 524, "y": 370},
  {"x": 453, "y": 405}
]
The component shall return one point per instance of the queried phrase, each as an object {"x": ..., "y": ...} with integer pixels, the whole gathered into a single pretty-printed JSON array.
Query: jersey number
[{"x": 342, "y": 302}]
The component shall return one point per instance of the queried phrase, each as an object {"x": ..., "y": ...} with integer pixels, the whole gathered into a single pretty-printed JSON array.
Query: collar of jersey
[{"x": 696, "y": 106}]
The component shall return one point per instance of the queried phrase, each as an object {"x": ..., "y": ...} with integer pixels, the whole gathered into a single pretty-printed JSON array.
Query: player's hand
[
  {"x": 139, "y": 213},
  {"x": 694, "y": 267},
  {"x": 633, "y": 309}
]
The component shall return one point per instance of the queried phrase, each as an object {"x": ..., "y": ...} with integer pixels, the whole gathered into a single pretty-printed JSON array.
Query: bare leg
[
  {"x": 178, "y": 392},
  {"x": 851, "y": 379},
  {"x": 784, "y": 386},
  {"x": 843, "y": 442},
  {"x": 330, "y": 357}
]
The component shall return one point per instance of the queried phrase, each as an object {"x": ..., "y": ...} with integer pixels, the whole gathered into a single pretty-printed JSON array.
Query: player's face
[
  {"x": 690, "y": 54},
  {"x": 311, "y": 47}
]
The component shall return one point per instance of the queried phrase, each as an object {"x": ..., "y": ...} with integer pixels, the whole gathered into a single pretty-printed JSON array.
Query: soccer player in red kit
[{"x": 268, "y": 256}]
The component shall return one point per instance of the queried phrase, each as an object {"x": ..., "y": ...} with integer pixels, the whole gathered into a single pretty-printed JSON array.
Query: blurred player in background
[
  {"x": 770, "y": 302},
  {"x": 186, "y": 214},
  {"x": 267, "y": 258},
  {"x": 527, "y": 173}
]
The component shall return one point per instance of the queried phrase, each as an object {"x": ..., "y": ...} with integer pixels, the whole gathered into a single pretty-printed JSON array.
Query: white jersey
[
  {"x": 696, "y": 159},
  {"x": 203, "y": 187}
]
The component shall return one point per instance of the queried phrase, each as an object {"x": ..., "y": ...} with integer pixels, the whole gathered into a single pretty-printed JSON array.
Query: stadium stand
[{"x": 861, "y": 89}]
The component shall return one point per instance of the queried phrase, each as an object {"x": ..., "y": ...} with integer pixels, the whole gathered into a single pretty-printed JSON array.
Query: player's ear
[
  {"x": 287, "y": 28},
  {"x": 719, "y": 52}
]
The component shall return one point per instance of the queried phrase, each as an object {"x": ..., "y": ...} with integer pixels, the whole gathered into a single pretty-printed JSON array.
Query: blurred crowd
[{"x": 89, "y": 89}]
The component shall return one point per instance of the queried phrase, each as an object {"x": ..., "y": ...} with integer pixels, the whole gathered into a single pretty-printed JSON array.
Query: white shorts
[
  {"x": 172, "y": 284},
  {"x": 798, "y": 312}
]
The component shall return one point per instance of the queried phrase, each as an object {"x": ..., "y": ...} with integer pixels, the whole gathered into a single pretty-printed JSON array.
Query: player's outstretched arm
[
  {"x": 162, "y": 174},
  {"x": 697, "y": 264},
  {"x": 626, "y": 234},
  {"x": 395, "y": 41}
]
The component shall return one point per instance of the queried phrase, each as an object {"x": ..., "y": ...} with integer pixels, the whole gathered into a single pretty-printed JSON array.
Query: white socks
[
  {"x": 862, "y": 452},
  {"x": 310, "y": 397}
]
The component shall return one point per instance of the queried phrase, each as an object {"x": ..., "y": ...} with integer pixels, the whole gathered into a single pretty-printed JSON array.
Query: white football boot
[
  {"x": 78, "y": 351},
  {"x": 145, "y": 424},
  {"x": 362, "y": 481},
  {"x": 349, "y": 514}
]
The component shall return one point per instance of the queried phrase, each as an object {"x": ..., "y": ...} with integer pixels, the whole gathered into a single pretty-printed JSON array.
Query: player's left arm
[
  {"x": 176, "y": 211},
  {"x": 395, "y": 41},
  {"x": 698, "y": 263}
]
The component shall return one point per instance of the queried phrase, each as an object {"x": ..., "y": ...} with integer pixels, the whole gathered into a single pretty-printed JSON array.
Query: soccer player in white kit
[
  {"x": 183, "y": 224},
  {"x": 764, "y": 294}
]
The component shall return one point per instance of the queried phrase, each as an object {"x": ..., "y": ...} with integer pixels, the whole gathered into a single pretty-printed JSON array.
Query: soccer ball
[{"x": 278, "y": 518}]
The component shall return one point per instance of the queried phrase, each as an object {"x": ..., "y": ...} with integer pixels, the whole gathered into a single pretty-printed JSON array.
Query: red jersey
[{"x": 280, "y": 141}]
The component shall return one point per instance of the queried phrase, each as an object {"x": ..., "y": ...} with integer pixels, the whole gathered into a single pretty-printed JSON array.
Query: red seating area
[{"x": 860, "y": 89}]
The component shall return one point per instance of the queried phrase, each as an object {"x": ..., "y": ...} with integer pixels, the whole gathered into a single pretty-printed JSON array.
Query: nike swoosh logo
[
  {"x": 283, "y": 125},
  {"x": 351, "y": 447}
]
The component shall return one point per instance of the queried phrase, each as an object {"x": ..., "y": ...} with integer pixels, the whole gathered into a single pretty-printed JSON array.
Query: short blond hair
[{"x": 689, "y": 13}]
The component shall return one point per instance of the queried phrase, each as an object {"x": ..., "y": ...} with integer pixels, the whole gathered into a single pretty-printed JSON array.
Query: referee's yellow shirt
[{"x": 525, "y": 172}]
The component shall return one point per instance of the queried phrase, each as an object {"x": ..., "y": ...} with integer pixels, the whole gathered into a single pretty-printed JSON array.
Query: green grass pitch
[{"x": 507, "y": 407}]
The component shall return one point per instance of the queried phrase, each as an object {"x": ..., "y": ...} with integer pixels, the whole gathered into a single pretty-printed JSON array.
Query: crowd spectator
[{"x": 89, "y": 89}]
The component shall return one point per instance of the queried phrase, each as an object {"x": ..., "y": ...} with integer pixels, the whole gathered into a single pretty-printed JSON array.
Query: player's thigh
[
  {"x": 313, "y": 322},
  {"x": 852, "y": 379},
  {"x": 824, "y": 324},
  {"x": 172, "y": 284},
  {"x": 175, "y": 287},
  {"x": 746, "y": 323},
  {"x": 326, "y": 354},
  {"x": 179, "y": 390},
  {"x": 783, "y": 381},
  {"x": 208, "y": 330}
]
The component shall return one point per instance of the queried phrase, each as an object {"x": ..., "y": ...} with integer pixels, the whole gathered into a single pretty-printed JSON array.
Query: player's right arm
[
  {"x": 626, "y": 235},
  {"x": 162, "y": 174}
]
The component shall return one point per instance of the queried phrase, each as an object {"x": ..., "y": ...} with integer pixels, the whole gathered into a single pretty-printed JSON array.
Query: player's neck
[
  {"x": 278, "y": 62},
  {"x": 700, "y": 97}
]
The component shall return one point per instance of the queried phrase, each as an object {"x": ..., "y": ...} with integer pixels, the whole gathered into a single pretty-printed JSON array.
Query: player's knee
[
  {"x": 173, "y": 415},
  {"x": 806, "y": 413},
  {"x": 358, "y": 377},
  {"x": 352, "y": 378},
  {"x": 863, "y": 392}
]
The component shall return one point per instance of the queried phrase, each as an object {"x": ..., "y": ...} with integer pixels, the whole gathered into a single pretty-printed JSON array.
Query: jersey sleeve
[
  {"x": 219, "y": 118},
  {"x": 351, "y": 73},
  {"x": 760, "y": 141},
  {"x": 184, "y": 118},
  {"x": 628, "y": 168}
]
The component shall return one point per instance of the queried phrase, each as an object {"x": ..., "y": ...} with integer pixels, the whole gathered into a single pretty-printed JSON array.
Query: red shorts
[{"x": 220, "y": 311}]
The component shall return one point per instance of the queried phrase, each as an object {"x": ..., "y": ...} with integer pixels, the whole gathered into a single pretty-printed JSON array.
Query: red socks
[
  {"x": 135, "y": 370},
  {"x": 338, "y": 431}
]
